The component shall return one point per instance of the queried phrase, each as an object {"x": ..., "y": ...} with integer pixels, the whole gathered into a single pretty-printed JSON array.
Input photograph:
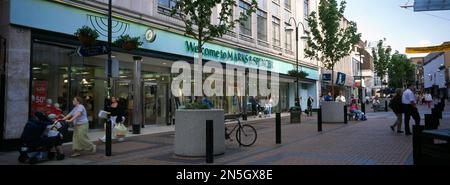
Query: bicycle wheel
[{"x": 246, "y": 135}]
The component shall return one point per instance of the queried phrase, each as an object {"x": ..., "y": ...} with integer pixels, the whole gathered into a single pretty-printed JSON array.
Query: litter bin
[{"x": 296, "y": 114}]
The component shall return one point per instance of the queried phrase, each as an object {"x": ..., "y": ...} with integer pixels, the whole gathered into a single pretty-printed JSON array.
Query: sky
[{"x": 378, "y": 19}]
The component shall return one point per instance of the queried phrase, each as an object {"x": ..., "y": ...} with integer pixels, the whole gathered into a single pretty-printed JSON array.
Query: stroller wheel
[
  {"x": 23, "y": 158},
  {"x": 60, "y": 157},
  {"x": 33, "y": 160}
]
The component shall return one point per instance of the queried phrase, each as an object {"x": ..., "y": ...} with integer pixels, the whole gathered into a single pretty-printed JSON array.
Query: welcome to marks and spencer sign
[{"x": 224, "y": 55}]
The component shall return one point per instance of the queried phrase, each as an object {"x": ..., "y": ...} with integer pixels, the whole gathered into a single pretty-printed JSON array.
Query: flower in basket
[
  {"x": 127, "y": 42},
  {"x": 300, "y": 74},
  {"x": 87, "y": 35}
]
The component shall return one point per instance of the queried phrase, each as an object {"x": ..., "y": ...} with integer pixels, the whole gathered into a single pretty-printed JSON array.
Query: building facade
[
  {"x": 436, "y": 74},
  {"x": 43, "y": 66}
]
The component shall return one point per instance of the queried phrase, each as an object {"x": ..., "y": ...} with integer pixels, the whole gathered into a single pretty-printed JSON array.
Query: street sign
[
  {"x": 326, "y": 77},
  {"x": 88, "y": 51},
  {"x": 340, "y": 78}
]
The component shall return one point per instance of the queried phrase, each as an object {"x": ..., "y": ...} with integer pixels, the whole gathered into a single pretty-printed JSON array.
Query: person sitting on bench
[{"x": 354, "y": 110}]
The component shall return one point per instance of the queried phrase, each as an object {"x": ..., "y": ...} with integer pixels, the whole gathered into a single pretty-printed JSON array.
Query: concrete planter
[
  {"x": 190, "y": 132},
  {"x": 333, "y": 112}
]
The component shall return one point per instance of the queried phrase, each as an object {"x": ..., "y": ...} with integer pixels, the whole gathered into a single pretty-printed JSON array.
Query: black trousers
[{"x": 409, "y": 111}]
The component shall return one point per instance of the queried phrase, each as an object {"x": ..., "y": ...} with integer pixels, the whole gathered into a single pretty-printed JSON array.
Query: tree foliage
[
  {"x": 196, "y": 14},
  {"x": 329, "y": 40},
  {"x": 401, "y": 71},
  {"x": 381, "y": 59}
]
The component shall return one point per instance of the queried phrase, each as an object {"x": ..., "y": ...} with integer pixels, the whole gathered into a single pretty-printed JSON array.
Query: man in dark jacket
[{"x": 397, "y": 106}]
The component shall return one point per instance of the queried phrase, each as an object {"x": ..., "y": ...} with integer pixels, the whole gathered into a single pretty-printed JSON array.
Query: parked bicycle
[{"x": 245, "y": 134}]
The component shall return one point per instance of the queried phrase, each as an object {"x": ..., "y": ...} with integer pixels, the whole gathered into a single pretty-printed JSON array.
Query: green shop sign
[{"x": 229, "y": 55}]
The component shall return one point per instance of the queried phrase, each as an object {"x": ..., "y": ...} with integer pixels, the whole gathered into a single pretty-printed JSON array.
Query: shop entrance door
[{"x": 150, "y": 102}]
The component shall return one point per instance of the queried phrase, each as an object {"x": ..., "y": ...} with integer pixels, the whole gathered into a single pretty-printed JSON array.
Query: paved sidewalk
[{"x": 356, "y": 143}]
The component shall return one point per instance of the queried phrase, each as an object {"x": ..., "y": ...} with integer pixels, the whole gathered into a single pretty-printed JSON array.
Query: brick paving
[{"x": 356, "y": 143}]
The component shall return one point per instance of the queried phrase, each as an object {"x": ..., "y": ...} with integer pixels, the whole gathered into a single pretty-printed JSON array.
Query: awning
[{"x": 431, "y": 49}]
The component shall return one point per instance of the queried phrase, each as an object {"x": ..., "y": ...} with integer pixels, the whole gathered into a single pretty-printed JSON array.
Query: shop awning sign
[
  {"x": 88, "y": 51},
  {"x": 432, "y": 49}
]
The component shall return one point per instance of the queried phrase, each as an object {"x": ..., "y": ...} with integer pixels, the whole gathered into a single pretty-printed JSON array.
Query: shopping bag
[
  {"x": 120, "y": 130},
  {"x": 103, "y": 114}
]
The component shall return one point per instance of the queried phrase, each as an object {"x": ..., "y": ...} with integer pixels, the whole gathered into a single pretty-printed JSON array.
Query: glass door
[{"x": 151, "y": 107}]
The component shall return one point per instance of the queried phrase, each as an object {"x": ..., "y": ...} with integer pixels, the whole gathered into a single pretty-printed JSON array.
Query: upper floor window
[
  {"x": 275, "y": 9},
  {"x": 261, "y": 4},
  {"x": 245, "y": 27},
  {"x": 167, "y": 3},
  {"x": 287, "y": 4},
  {"x": 262, "y": 25},
  {"x": 305, "y": 9},
  {"x": 276, "y": 31}
]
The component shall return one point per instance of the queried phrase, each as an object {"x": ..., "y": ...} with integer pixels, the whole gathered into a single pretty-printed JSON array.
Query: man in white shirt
[
  {"x": 340, "y": 98},
  {"x": 410, "y": 109}
]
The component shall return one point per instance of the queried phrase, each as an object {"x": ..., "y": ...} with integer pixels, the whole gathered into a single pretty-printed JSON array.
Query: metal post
[
  {"x": 297, "y": 98},
  {"x": 417, "y": 140},
  {"x": 319, "y": 119},
  {"x": 428, "y": 121},
  {"x": 385, "y": 106},
  {"x": 278, "y": 128},
  {"x": 209, "y": 141},
  {"x": 345, "y": 114},
  {"x": 108, "y": 145}
]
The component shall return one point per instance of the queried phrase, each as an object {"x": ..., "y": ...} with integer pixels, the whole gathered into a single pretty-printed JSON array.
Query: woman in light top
[{"x": 78, "y": 116}]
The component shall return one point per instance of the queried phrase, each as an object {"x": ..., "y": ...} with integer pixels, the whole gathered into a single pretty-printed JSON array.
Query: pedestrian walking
[
  {"x": 428, "y": 99},
  {"x": 309, "y": 104},
  {"x": 117, "y": 115},
  {"x": 410, "y": 107},
  {"x": 397, "y": 107},
  {"x": 78, "y": 116}
]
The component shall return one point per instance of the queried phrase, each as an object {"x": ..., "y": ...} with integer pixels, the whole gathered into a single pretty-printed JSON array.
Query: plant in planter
[
  {"x": 127, "y": 42},
  {"x": 196, "y": 105},
  {"x": 86, "y": 35},
  {"x": 300, "y": 74}
]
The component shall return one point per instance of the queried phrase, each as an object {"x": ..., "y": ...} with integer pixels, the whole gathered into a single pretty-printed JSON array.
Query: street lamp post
[
  {"x": 363, "y": 106},
  {"x": 108, "y": 122},
  {"x": 290, "y": 28}
]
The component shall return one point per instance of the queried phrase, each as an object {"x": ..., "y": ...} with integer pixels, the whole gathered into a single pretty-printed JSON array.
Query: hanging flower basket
[
  {"x": 300, "y": 74},
  {"x": 128, "y": 43},
  {"x": 86, "y": 35}
]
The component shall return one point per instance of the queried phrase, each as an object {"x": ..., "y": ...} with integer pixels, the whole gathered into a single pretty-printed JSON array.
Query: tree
[
  {"x": 400, "y": 71},
  {"x": 196, "y": 14},
  {"x": 381, "y": 59},
  {"x": 330, "y": 42}
]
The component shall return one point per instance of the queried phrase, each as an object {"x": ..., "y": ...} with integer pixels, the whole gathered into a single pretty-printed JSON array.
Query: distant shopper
[
  {"x": 328, "y": 97},
  {"x": 340, "y": 98},
  {"x": 78, "y": 116},
  {"x": 397, "y": 106},
  {"x": 410, "y": 107},
  {"x": 428, "y": 99},
  {"x": 117, "y": 115},
  {"x": 309, "y": 104},
  {"x": 359, "y": 114}
]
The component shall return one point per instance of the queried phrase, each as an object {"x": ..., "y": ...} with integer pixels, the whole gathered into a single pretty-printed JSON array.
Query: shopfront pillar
[{"x": 137, "y": 95}]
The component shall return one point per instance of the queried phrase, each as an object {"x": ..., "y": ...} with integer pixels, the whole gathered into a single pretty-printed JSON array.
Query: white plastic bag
[
  {"x": 120, "y": 130},
  {"x": 103, "y": 114}
]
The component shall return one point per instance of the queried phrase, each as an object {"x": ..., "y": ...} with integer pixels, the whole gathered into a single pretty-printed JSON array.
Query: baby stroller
[
  {"x": 262, "y": 110},
  {"x": 40, "y": 136}
]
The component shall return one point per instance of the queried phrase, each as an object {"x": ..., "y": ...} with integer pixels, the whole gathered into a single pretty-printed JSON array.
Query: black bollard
[
  {"x": 363, "y": 107},
  {"x": 108, "y": 138},
  {"x": 417, "y": 140},
  {"x": 209, "y": 141},
  {"x": 278, "y": 128},
  {"x": 428, "y": 121},
  {"x": 345, "y": 114},
  {"x": 385, "y": 106},
  {"x": 319, "y": 119}
]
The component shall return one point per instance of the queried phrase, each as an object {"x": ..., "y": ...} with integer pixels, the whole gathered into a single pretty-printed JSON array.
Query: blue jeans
[{"x": 358, "y": 114}]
